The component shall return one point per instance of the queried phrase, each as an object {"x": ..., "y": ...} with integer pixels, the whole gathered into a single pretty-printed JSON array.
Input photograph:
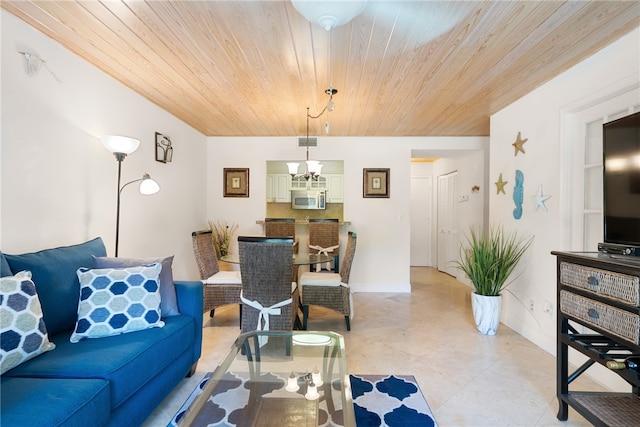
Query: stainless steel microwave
[{"x": 308, "y": 199}]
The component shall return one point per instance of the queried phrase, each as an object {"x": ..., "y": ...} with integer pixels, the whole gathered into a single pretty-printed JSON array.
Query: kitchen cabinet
[
  {"x": 279, "y": 188},
  {"x": 335, "y": 188}
]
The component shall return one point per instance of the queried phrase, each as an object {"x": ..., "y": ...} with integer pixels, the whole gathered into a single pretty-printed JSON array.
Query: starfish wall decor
[
  {"x": 500, "y": 185},
  {"x": 518, "y": 145},
  {"x": 540, "y": 199}
]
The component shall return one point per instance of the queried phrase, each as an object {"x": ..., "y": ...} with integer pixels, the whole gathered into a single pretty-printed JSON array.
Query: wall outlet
[
  {"x": 531, "y": 305},
  {"x": 548, "y": 308}
]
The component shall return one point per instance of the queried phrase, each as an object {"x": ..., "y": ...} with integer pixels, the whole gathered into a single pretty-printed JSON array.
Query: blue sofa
[{"x": 110, "y": 381}]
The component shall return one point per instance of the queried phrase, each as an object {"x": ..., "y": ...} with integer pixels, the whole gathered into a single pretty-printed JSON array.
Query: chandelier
[
  {"x": 327, "y": 14},
  {"x": 313, "y": 168}
]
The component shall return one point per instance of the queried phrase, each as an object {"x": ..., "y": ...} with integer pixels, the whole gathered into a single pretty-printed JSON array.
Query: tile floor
[{"x": 467, "y": 378}]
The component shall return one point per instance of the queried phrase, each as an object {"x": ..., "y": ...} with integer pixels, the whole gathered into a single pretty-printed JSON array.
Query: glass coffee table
[{"x": 278, "y": 378}]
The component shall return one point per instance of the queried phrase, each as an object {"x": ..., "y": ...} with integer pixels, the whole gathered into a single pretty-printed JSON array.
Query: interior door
[
  {"x": 421, "y": 213},
  {"x": 447, "y": 223}
]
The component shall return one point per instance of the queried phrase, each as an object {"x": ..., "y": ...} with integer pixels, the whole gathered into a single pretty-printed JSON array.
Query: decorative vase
[
  {"x": 224, "y": 266},
  {"x": 486, "y": 312}
]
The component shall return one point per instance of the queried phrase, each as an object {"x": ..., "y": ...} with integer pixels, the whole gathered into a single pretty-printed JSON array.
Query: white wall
[
  {"x": 58, "y": 184},
  {"x": 538, "y": 116},
  {"x": 383, "y": 225}
]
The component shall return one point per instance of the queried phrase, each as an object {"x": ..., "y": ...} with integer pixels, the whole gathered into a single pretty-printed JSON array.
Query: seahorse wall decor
[{"x": 518, "y": 194}]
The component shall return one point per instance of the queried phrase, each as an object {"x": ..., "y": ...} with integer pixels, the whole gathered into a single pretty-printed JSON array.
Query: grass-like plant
[
  {"x": 221, "y": 235},
  {"x": 489, "y": 259}
]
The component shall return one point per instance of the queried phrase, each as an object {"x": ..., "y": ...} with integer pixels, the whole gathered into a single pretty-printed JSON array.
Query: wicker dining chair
[
  {"x": 330, "y": 290},
  {"x": 266, "y": 266},
  {"x": 281, "y": 227},
  {"x": 220, "y": 287},
  {"x": 324, "y": 234}
]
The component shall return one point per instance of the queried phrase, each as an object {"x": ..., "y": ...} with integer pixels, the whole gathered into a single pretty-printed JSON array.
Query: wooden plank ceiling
[{"x": 402, "y": 68}]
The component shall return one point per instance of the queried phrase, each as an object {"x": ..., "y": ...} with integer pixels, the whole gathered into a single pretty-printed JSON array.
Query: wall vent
[{"x": 307, "y": 142}]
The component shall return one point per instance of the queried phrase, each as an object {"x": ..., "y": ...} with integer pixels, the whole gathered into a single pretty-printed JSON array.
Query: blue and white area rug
[{"x": 378, "y": 400}]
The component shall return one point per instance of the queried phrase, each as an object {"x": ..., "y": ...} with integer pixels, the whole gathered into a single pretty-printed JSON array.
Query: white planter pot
[{"x": 486, "y": 312}]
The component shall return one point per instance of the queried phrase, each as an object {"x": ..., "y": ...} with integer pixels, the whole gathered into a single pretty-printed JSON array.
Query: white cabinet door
[
  {"x": 282, "y": 188},
  {"x": 271, "y": 195},
  {"x": 335, "y": 188}
]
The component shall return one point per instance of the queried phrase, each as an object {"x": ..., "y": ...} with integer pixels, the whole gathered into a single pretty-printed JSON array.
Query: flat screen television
[{"x": 621, "y": 151}]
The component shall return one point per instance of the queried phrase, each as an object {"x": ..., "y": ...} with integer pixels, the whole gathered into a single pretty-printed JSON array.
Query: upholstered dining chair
[
  {"x": 270, "y": 297},
  {"x": 281, "y": 227},
  {"x": 330, "y": 290},
  {"x": 220, "y": 287},
  {"x": 324, "y": 237}
]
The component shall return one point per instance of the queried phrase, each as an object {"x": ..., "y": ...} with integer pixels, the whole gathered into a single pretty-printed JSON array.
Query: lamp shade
[
  {"x": 329, "y": 14},
  {"x": 120, "y": 144},
  {"x": 148, "y": 186},
  {"x": 314, "y": 167},
  {"x": 293, "y": 168}
]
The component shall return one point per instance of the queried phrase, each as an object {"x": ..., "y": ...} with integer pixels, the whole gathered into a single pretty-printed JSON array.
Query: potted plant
[
  {"x": 488, "y": 259},
  {"x": 221, "y": 233}
]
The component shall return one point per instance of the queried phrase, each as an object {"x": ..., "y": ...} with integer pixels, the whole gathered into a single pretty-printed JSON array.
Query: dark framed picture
[
  {"x": 236, "y": 182},
  {"x": 164, "y": 150},
  {"x": 375, "y": 183}
]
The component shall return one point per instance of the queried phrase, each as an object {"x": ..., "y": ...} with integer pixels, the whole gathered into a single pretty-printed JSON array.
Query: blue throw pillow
[
  {"x": 54, "y": 273},
  {"x": 115, "y": 301},
  {"x": 23, "y": 335},
  {"x": 169, "y": 302},
  {"x": 5, "y": 270}
]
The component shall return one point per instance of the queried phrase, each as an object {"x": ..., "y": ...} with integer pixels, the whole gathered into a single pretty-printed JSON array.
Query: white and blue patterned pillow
[
  {"x": 115, "y": 301},
  {"x": 23, "y": 335}
]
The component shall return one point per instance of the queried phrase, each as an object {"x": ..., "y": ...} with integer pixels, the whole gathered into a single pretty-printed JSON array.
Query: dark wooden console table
[{"x": 601, "y": 293}]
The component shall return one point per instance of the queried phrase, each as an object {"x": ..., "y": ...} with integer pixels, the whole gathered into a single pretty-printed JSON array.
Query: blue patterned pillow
[
  {"x": 115, "y": 301},
  {"x": 23, "y": 335},
  {"x": 168, "y": 300}
]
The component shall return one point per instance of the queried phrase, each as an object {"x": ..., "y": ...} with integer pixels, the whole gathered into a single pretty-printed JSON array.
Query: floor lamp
[{"x": 120, "y": 146}]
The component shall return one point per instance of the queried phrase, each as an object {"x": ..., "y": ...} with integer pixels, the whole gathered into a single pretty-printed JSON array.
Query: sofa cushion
[
  {"x": 168, "y": 302},
  {"x": 115, "y": 301},
  {"x": 23, "y": 334},
  {"x": 54, "y": 273},
  {"x": 128, "y": 361},
  {"x": 54, "y": 402},
  {"x": 5, "y": 270}
]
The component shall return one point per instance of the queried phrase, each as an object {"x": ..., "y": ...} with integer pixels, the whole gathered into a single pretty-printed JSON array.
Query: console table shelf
[
  {"x": 602, "y": 294},
  {"x": 605, "y": 409}
]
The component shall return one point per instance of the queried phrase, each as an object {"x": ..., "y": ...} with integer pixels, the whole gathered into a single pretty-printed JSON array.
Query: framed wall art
[
  {"x": 164, "y": 149},
  {"x": 236, "y": 182},
  {"x": 375, "y": 183}
]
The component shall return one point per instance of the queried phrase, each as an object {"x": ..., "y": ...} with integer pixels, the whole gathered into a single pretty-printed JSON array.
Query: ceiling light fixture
[
  {"x": 330, "y": 91},
  {"x": 313, "y": 168},
  {"x": 329, "y": 14}
]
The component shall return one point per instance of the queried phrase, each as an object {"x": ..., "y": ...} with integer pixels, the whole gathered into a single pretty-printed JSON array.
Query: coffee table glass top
[{"x": 278, "y": 378}]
